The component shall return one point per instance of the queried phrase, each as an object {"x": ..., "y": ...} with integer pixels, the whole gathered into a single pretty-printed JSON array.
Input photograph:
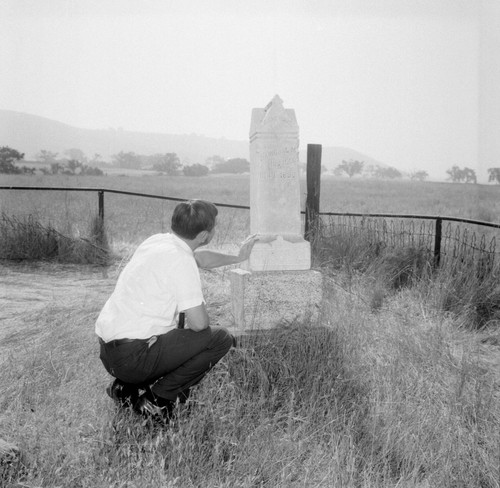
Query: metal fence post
[{"x": 437, "y": 242}]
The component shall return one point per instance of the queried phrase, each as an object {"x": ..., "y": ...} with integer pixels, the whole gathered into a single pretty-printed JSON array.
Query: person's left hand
[{"x": 246, "y": 247}]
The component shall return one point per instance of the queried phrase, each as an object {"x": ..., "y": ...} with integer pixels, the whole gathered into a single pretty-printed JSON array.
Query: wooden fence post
[
  {"x": 437, "y": 242},
  {"x": 313, "y": 189},
  {"x": 101, "y": 204}
]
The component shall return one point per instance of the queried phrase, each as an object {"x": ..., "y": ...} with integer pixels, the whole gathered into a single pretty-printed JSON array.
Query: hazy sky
[{"x": 395, "y": 79}]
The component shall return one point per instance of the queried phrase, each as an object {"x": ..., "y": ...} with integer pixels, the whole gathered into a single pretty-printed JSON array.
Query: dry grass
[
  {"x": 397, "y": 397},
  {"x": 28, "y": 240},
  {"x": 386, "y": 390}
]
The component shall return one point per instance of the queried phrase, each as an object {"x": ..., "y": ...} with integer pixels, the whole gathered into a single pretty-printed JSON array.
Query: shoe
[
  {"x": 125, "y": 394},
  {"x": 154, "y": 408}
]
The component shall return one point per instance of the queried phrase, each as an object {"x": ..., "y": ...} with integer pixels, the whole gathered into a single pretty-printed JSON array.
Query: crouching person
[{"x": 154, "y": 359}]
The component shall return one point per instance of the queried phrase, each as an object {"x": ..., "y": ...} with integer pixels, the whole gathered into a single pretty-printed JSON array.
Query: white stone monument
[
  {"x": 275, "y": 191},
  {"x": 276, "y": 284}
]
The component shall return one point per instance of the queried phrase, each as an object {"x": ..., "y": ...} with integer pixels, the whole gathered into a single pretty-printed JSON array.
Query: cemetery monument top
[{"x": 275, "y": 190}]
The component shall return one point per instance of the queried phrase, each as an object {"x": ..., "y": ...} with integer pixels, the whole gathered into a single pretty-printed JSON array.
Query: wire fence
[{"x": 445, "y": 239}]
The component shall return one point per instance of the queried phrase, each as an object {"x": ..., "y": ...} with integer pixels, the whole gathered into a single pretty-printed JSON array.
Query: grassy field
[
  {"x": 131, "y": 219},
  {"x": 386, "y": 389}
]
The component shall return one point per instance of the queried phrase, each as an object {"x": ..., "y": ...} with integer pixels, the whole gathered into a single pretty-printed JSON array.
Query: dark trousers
[{"x": 170, "y": 365}]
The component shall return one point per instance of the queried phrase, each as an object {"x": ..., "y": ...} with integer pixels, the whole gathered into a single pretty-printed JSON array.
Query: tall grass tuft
[
  {"x": 347, "y": 252},
  {"x": 401, "y": 267},
  {"x": 28, "y": 240},
  {"x": 473, "y": 295},
  {"x": 265, "y": 417},
  {"x": 469, "y": 289}
]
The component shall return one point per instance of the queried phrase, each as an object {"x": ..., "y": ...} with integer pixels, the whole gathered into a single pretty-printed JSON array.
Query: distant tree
[
  {"x": 91, "y": 171},
  {"x": 494, "y": 174},
  {"x": 96, "y": 160},
  {"x": 76, "y": 154},
  {"x": 387, "y": 172},
  {"x": 351, "y": 167},
  {"x": 337, "y": 171},
  {"x": 419, "y": 175},
  {"x": 213, "y": 161},
  {"x": 195, "y": 170},
  {"x": 46, "y": 157},
  {"x": 56, "y": 168},
  {"x": 455, "y": 174},
  {"x": 234, "y": 165},
  {"x": 129, "y": 160},
  {"x": 168, "y": 163},
  {"x": 8, "y": 158},
  {"x": 470, "y": 175},
  {"x": 72, "y": 167}
]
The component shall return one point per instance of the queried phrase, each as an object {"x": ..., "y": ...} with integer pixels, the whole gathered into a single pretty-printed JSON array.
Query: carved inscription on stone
[{"x": 280, "y": 163}]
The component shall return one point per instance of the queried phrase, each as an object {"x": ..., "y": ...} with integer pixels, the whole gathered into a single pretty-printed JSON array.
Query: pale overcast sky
[{"x": 395, "y": 79}]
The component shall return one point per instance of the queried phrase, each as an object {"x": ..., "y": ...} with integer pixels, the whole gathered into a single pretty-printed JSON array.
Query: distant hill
[{"x": 30, "y": 134}]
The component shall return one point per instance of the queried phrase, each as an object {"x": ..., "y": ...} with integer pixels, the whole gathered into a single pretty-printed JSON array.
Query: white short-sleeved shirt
[{"x": 160, "y": 280}]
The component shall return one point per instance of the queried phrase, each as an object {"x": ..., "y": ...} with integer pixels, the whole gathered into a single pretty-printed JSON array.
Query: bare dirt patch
[{"x": 27, "y": 289}]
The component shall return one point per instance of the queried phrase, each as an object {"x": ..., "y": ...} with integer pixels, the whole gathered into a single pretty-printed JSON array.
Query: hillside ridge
[{"x": 31, "y": 133}]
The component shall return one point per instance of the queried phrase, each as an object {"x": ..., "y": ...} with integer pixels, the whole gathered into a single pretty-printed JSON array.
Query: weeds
[
  {"x": 347, "y": 252},
  {"x": 384, "y": 391},
  {"x": 401, "y": 267},
  {"x": 473, "y": 296},
  {"x": 357, "y": 399},
  {"x": 468, "y": 289},
  {"x": 29, "y": 240}
]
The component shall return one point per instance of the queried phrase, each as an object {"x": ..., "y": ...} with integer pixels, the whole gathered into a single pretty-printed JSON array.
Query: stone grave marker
[
  {"x": 275, "y": 191},
  {"x": 276, "y": 284}
]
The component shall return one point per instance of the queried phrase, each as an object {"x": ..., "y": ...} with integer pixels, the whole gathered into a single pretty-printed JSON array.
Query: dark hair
[{"x": 192, "y": 217}]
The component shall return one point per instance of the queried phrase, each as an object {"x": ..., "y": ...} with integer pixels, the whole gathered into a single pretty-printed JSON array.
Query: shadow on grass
[{"x": 283, "y": 394}]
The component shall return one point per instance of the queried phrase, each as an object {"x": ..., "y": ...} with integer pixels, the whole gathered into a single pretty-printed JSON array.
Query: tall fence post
[
  {"x": 437, "y": 242},
  {"x": 101, "y": 205},
  {"x": 313, "y": 172}
]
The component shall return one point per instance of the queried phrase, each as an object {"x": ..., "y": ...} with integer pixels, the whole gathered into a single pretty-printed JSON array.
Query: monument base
[
  {"x": 280, "y": 253},
  {"x": 264, "y": 300}
]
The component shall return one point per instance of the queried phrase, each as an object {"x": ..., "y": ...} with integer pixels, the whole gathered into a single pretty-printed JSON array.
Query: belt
[{"x": 119, "y": 342}]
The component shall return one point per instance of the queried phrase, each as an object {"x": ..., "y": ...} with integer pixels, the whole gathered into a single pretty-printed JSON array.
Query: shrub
[{"x": 8, "y": 158}]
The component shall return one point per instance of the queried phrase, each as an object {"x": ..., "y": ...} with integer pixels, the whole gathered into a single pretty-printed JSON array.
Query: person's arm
[
  {"x": 197, "y": 318},
  {"x": 207, "y": 259}
]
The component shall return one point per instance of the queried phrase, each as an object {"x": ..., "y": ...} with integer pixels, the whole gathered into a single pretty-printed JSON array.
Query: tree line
[
  {"x": 75, "y": 162},
  {"x": 170, "y": 164},
  {"x": 455, "y": 173},
  {"x": 353, "y": 167}
]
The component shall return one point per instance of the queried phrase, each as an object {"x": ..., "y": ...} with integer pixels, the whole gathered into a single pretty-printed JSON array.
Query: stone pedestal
[{"x": 266, "y": 299}]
